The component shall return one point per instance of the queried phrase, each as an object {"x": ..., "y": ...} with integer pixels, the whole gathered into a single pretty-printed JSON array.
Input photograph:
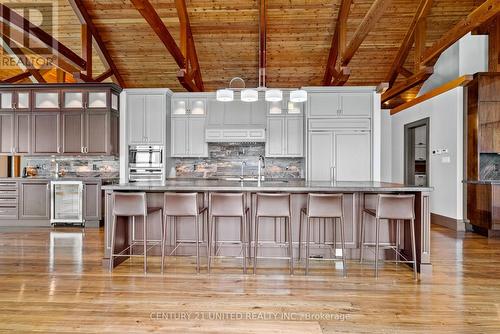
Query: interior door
[
  {"x": 320, "y": 156},
  {"x": 136, "y": 118},
  {"x": 352, "y": 156}
]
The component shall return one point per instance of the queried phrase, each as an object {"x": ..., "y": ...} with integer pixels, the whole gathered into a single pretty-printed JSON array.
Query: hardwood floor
[{"x": 53, "y": 281}]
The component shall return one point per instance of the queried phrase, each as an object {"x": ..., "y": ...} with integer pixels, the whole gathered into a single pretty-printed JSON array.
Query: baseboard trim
[{"x": 451, "y": 223}]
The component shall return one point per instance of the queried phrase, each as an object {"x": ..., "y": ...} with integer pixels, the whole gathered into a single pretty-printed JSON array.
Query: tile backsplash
[
  {"x": 489, "y": 166},
  {"x": 104, "y": 166},
  {"x": 226, "y": 159}
]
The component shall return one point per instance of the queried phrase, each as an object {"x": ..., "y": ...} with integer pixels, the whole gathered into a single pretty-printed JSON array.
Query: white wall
[
  {"x": 446, "y": 132},
  {"x": 386, "y": 145}
]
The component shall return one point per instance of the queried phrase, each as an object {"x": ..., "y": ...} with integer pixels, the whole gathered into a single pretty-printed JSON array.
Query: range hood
[{"x": 235, "y": 135}]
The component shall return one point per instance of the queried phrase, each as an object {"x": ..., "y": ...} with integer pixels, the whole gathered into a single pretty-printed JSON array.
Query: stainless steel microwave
[{"x": 143, "y": 156}]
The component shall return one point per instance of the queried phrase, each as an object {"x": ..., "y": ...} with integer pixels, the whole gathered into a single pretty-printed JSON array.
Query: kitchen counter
[
  {"x": 357, "y": 195},
  {"x": 482, "y": 181},
  {"x": 269, "y": 185}
]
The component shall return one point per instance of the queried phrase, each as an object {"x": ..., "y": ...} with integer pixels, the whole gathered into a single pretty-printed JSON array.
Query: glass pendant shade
[
  {"x": 225, "y": 95},
  {"x": 298, "y": 95},
  {"x": 249, "y": 95},
  {"x": 274, "y": 95}
]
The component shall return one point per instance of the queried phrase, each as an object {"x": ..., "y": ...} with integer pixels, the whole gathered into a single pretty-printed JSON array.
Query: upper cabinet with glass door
[
  {"x": 79, "y": 100},
  {"x": 182, "y": 106},
  {"x": 15, "y": 100},
  {"x": 46, "y": 100},
  {"x": 284, "y": 107}
]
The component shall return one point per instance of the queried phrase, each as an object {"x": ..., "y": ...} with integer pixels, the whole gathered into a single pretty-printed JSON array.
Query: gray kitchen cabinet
[
  {"x": 320, "y": 156},
  {"x": 195, "y": 106},
  {"x": 114, "y": 132},
  {"x": 285, "y": 136},
  {"x": 45, "y": 133},
  {"x": 22, "y": 133},
  {"x": 97, "y": 100},
  {"x": 92, "y": 201},
  {"x": 146, "y": 119},
  {"x": 15, "y": 100},
  {"x": 215, "y": 113},
  {"x": 352, "y": 156},
  {"x": 72, "y": 132},
  {"x": 34, "y": 200},
  {"x": 46, "y": 100},
  {"x": 258, "y": 113},
  {"x": 345, "y": 104},
  {"x": 97, "y": 133},
  {"x": 238, "y": 113},
  {"x": 72, "y": 100},
  {"x": 188, "y": 137},
  {"x": 339, "y": 156},
  {"x": 6, "y": 133}
]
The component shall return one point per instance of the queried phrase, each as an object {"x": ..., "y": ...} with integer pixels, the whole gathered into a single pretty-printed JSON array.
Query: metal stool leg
[
  {"x": 342, "y": 241},
  {"x": 413, "y": 249},
  {"x": 308, "y": 235},
  {"x": 397, "y": 240},
  {"x": 290, "y": 246},
  {"x": 207, "y": 227},
  {"x": 209, "y": 254},
  {"x": 377, "y": 227},
  {"x": 255, "y": 244},
  {"x": 145, "y": 237},
  {"x": 300, "y": 234},
  {"x": 163, "y": 242},
  {"x": 362, "y": 243},
  {"x": 197, "y": 236},
  {"x": 243, "y": 237},
  {"x": 113, "y": 230}
]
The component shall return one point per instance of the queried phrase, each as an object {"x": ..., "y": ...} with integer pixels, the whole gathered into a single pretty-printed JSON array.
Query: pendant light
[
  {"x": 298, "y": 95},
  {"x": 225, "y": 95},
  {"x": 274, "y": 95},
  {"x": 249, "y": 95}
]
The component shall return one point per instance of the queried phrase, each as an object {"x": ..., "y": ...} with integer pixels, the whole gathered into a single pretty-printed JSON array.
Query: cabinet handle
[
  {"x": 81, "y": 149},
  {"x": 48, "y": 186},
  {"x": 332, "y": 173}
]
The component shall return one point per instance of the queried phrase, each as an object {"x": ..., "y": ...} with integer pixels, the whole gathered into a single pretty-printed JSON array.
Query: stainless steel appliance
[
  {"x": 66, "y": 202},
  {"x": 146, "y": 163}
]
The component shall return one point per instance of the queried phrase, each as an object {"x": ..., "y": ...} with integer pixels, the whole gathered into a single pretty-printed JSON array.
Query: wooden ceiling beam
[
  {"x": 85, "y": 18},
  {"x": 188, "y": 47},
  {"x": 371, "y": 18},
  {"x": 103, "y": 76},
  {"x": 20, "y": 23},
  {"x": 17, "y": 77},
  {"x": 341, "y": 77},
  {"x": 405, "y": 72},
  {"x": 409, "y": 83},
  {"x": 404, "y": 49},
  {"x": 338, "y": 41},
  {"x": 87, "y": 48},
  {"x": 477, "y": 17},
  {"x": 494, "y": 45}
]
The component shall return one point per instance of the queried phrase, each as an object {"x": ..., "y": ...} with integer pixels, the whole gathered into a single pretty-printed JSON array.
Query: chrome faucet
[
  {"x": 261, "y": 165},
  {"x": 242, "y": 175}
]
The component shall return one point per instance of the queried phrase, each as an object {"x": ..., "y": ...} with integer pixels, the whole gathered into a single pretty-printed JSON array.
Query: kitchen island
[{"x": 357, "y": 195}]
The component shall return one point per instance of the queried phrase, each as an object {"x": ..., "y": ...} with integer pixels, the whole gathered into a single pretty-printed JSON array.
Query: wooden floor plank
[{"x": 65, "y": 289}]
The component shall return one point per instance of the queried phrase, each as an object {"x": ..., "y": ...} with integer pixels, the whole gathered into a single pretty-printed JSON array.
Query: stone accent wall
[
  {"x": 226, "y": 159},
  {"x": 106, "y": 167}
]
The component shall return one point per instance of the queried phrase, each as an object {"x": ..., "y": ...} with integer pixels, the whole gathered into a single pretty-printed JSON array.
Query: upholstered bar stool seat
[
  {"x": 330, "y": 208},
  {"x": 130, "y": 205},
  {"x": 226, "y": 205},
  {"x": 273, "y": 206},
  {"x": 398, "y": 208},
  {"x": 178, "y": 205}
]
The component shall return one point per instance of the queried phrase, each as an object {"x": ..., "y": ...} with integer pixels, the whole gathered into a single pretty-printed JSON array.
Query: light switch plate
[{"x": 446, "y": 160}]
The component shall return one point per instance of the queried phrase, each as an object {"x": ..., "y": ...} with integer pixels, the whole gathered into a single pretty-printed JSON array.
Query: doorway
[{"x": 416, "y": 141}]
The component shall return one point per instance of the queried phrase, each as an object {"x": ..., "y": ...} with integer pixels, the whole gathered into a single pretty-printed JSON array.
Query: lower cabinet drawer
[
  {"x": 8, "y": 212},
  {"x": 8, "y": 192},
  {"x": 339, "y": 123},
  {"x": 8, "y": 200}
]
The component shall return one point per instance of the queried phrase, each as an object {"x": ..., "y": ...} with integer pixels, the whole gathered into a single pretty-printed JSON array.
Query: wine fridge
[{"x": 66, "y": 202}]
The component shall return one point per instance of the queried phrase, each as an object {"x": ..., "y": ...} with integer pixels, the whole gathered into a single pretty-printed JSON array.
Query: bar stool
[
  {"x": 130, "y": 205},
  {"x": 178, "y": 205},
  {"x": 400, "y": 208},
  {"x": 273, "y": 206},
  {"x": 324, "y": 206},
  {"x": 227, "y": 205}
]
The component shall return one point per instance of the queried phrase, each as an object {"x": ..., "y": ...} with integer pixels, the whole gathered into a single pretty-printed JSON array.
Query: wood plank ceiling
[{"x": 226, "y": 34}]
